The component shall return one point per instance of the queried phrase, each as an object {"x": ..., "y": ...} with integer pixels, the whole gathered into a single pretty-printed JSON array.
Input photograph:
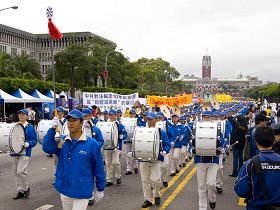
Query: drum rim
[{"x": 10, "y": 143}]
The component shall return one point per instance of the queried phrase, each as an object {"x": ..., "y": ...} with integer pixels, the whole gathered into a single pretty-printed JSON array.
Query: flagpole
[{"x": 53, "y": 74}]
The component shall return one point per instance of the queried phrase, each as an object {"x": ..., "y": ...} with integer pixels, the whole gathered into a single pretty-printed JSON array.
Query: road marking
[
  {"x": 172, "y": 181},
  {"x": 3, "y": 155},
  {"x": 45, "y": 207},
  {"x": 179, "y": 188},
  {"x": 241, "y": 202}
]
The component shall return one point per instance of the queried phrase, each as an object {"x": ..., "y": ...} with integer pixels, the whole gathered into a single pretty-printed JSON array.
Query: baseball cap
[
  {"x": 86, "y": 111},
  {"x": 24, "y": 111},
  {"x": 105, "y": 112},
  {"x": 174, "y": 115},
  {"x": 132, "y": 111},
  {"x": 207, "y": 113},
  {"x": 119, "y": 111},
  {"x": 216, "y": 114},
  {"x": 60, "y": 109},
  {"x": 151, "y": 115},
  {"x": 112, "y": 112},
  {"x": 145, "y": 113},
  {"x": 182, "y": 118},
  {"x": 76, "y": 114}
]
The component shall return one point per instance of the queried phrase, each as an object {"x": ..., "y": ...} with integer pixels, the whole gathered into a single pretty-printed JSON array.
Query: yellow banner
[
  {"x": 223, "y": 98},
  {"x": 170, "y": 101}
]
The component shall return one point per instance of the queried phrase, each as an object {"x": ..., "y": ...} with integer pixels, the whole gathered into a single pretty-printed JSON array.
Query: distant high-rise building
[{"x": 206, "y": 66}]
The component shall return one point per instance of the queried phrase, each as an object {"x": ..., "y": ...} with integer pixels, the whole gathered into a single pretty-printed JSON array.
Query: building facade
[
  {"x": 207, "y": 86},
  {"x": 14, "y": 42}
]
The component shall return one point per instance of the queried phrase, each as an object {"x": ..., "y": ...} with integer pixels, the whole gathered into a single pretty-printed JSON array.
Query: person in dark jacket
[
  {"x": 258, "y": 180},
  {"x": 239, "y": 145},
  {"x": 276, "y": 144}
]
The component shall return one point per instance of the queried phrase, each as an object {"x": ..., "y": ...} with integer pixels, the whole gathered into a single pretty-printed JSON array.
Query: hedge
[
  {"x": 10, "y": 85},
  {"x": 142, "y": 93}
]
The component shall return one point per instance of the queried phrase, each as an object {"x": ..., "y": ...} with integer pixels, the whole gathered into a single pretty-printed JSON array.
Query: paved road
[{"x": 182, "y": 193}]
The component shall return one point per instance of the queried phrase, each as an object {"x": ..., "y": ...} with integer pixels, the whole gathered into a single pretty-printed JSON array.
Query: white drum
[
  {"x": 162, "y": 125},
  {"x": 5, "y": 129},
  {"x": 110, "y": 133},
  {"x": 130, "y": 125},
  {"x": 43, "y": 127},
  {"x": 146, "y": 144},
  {"x": 207, "y": 139},
  {"x": 87, "y": 127},
  {"x": 17, "y": 139}
]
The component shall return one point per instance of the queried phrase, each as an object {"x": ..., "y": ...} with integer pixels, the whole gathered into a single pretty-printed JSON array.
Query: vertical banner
[{"x": 107, "y": 101}]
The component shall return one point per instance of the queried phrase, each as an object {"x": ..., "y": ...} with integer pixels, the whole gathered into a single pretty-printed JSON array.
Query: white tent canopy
[
  {"x": 9, "y": 98},
  {"x": 26, "y": 97},
  {"x": 39, "y": 95}
]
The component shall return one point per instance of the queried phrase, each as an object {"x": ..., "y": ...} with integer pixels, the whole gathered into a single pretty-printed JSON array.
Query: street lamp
[
  {"x": 165, "y": 73},
  {"x": 13, "y": 7},
  {"x": 106, "y": 75}
]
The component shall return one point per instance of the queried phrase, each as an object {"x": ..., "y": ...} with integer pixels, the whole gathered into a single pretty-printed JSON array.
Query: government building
[
  {"x": 15, "y": 42},
  {"x": 207, "y": 86}
]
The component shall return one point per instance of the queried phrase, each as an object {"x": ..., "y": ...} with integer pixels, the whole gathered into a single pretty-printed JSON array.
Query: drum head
[
  {"x": 115, "y": 134},
  {"x": 17, "y": 138},
  {"x": 88, "y": 128}
]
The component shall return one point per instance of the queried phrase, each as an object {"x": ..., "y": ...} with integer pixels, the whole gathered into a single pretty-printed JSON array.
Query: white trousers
[
  {"x": 206, "y": 179},
  {"x": 183, "y": 154},
  {"x": 164, "y": 168},
  {"x": 73, "y": 203},
  {"x": 113, "y": 165},
  {"x": 20, "y": 164},
  {"x": 130, "y": 161},
  {"x": 220, "y": 172},
  {"x": 174, "y": 157},
  {"x": 150, "y": 176}
]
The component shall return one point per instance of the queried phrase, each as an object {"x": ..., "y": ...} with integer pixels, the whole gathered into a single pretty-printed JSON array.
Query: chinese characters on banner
[{"x": 107, "y": 101}]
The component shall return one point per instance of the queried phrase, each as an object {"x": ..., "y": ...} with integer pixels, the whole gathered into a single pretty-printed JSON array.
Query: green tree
[
  {"x": 25, "y": 63},
  {"x": 7, "y": 67}
]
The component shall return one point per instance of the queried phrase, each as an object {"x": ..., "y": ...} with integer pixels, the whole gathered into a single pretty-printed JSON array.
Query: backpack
[{"x": 256, "y": 163}]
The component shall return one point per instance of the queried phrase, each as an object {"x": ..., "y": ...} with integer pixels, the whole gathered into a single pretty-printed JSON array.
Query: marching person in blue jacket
[
  {"x": 150, "y": 171},
  {"x": 176, "y": 133},
  {"x": 185, "y": 141},
  {"x": 96, "y": 132},
  {"x": 258, "y": 180},
  {"x": 80, "y": 164},
  {"x": 112, "y": 156},
  {"x": 207, "y": 167},
  {"x": 20, "y": 161}
]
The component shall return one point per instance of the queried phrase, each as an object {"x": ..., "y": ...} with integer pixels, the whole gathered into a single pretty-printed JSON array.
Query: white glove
[
  {"x": 172, "y": 144},
  {"x": 26, "y": 145},
  {"x": 99, "y": 196},
  {"x": 163, "y": 153},
  {"x": 129, "y": 155},
  {"x": 55, "y": 122},
  {"x": 121, "y": 136}
]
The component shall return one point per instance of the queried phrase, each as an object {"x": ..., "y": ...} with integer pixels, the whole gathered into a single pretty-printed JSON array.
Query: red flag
[{"x": 53, "y": 31}]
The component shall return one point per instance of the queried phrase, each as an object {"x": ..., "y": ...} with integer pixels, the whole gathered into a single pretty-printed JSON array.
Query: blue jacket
[
  {"x": 122, "y": 135},
  {"x": 165, "y": 144},
  {"x": 247, "y": 186},
  {"x": 79, "y": 164},
  {"x": 31, "y": 138},
  {"x": 176, "y": 133},
  {"x": 187, "y": 136},
  {"x": 141, "y": 122},
  {"x": 97, "y": 135},
  {"x": 253, "y": 145}
]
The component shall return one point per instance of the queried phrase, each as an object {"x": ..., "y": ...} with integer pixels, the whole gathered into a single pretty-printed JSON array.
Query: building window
[
  {"x": 13, "y": 51},
  {"x": 23, "y": 52}
]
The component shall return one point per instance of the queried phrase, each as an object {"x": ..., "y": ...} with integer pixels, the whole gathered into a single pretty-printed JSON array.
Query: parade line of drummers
[{"x": 86, "y": 148}]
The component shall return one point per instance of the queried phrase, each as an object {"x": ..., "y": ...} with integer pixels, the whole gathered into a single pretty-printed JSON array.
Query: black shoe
[
  {"x": 231, "y": 175},
  {"x": 157, "y": 200},
  {"x": 212, "y": 205},
  {"x": 165, "y": 184},
  {"x": 190, "y": 157},
  {"x": 173, "y": 174},
  {"x": 26, "y": 193},
  {"x": 109, "y": 184},
  {"x": 19, "y": 195},
  {"x": 128, "y": 173},
  {"x": 119, "y": 181},
  {"x": 49, "y": 155},
  {"x": 219, "y": 190},
  {"x": 136, "y": 170},
  {"x": 146, "y": 204},
  {"x": 184, "y": 164},
  {"x": 177, "y": 171},
  {"x": 90, "y": 202}
]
